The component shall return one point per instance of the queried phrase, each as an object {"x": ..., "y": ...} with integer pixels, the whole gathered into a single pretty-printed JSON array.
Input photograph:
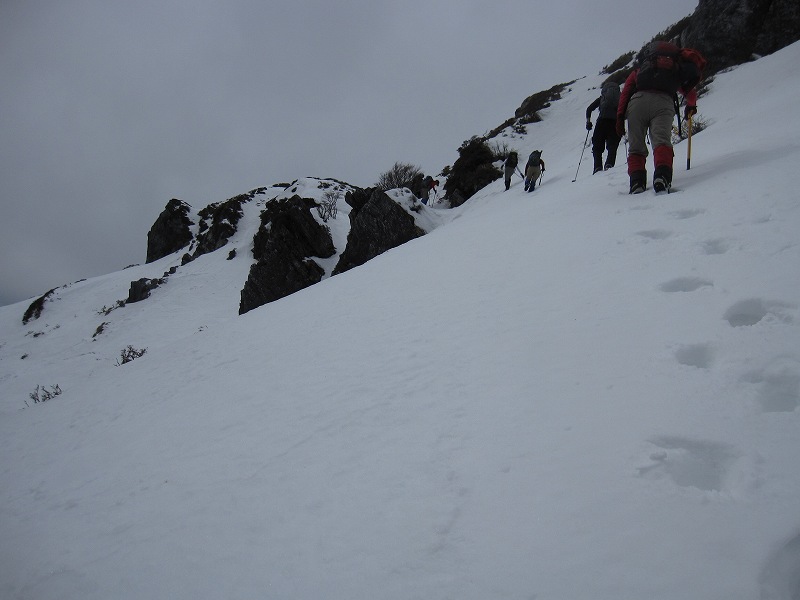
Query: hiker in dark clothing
[
  {"x": 649, "y": 102},
  {"x": 509, "y": 165},
  {"x": 533, "y": 169},
  {"x": 427, "y": 184},
  {"x": 605, "y": 129}
]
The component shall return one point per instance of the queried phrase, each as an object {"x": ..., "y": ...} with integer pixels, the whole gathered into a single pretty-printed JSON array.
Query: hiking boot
[
  {"x": 662, "y": 178},
  {"x": 636, "y": 188},
  {"x": 608, "y": 166},
  {"x": 638, "y": 182},
  {"x": 597, "y": 170}
]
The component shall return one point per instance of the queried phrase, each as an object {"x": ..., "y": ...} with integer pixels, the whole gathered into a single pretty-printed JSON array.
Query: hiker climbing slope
[
  {"x": 605, "y": 129},
  {"x": 533, "y": 169},
  {"x": 508, "y": 167},
  {"x": 649, "y": 101}
]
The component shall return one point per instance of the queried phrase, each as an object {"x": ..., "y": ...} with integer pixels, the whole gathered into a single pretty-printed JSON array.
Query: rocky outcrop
[
  {"x": 731, "y": 32},
  {"x": 36, "y": 307},
  {"x": 141, "y": 288},
  {"x": 286, "y": 240},
  {"x": 377, "y": 224},
  {"x": 218, "y": 222},
  {"x": 473, "y": 170},
  {"x": 170, "y": 232}
]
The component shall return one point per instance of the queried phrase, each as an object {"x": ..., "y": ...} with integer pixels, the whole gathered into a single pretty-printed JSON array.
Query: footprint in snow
[
  {"x": 687, "y": 463},
  {"x": 687, "y": 213},
  {"x": 746, "y": 313},
  {"x": 684, "y": 284},
  {"x": 778, "y": 385},
  {"x": 700, "y": 356},
  {"x": 654, "y": 234},
  {"x": 718, "y": 246}
]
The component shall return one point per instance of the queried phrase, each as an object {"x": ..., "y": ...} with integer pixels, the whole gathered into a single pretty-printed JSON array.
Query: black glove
[
  {"x": 620, "y": 126},
  {"x": 690, "y": 110},
  {"x": 588, "y": 125}
]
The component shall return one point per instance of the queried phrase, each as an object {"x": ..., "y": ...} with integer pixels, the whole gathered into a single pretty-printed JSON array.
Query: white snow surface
[{"x": 574, "y": 393}]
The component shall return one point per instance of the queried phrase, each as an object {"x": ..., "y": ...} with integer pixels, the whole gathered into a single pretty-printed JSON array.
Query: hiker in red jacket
[{"x": 649, "y": 102}]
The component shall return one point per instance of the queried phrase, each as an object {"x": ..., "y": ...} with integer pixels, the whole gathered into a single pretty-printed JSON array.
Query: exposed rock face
[
  {"x": 34, "y": 311},
  {"x": 141, "y": 288},
  {"x": 170, "y": 232},
  {"x": 287, "y": 238},
  {"x": 219, "y": 222},
  {"x": 473, "y": 170},
  {"x": 730, "y": 32},
  {"x": 377, "y": 224}
]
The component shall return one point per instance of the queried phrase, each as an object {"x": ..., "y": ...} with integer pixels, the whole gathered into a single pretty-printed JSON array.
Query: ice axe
[{"x": 689, "y": 147}]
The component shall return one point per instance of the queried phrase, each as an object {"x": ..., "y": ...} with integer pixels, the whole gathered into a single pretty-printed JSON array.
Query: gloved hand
[
  {"x": 620, "y": 126},
  {"x": 689, "y": 111},
  {"x": 588, "y": 125}
]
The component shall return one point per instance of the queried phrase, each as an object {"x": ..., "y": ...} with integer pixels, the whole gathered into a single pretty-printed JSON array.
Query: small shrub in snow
[
  {"x": 399, "y": 176},
  {"x": 699, "y": 123},
  {"x": 106, "y": 310},
  {"x": 41, "y": 394},
  {"x": 327, "y": 207},
  {"x": 100, "y": 329},
  {"x": 500, "y": 150},
  {"x": 129, "y": 354}
]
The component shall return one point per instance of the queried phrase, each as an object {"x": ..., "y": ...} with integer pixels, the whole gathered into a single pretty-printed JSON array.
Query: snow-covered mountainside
[{"x": 574, "y": 393}]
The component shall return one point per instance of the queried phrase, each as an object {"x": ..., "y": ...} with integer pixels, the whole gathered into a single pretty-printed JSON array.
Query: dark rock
[
  {"x": 141, "y": 288},
  {"x": 377, "y": 225},
  {"x": 218, "y": 224},
  {"x": 287, "y": 238},
  {"x": 473, "y": 170},
  {"x": 219, "y": 221},
  {"x": 170, "y": 232},
  {"x": 732, "y": 32},
  {"x": 36, "y": 307}
]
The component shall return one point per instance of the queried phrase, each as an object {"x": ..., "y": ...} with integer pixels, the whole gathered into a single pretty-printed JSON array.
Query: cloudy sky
[{"x": 109, "y": 108}]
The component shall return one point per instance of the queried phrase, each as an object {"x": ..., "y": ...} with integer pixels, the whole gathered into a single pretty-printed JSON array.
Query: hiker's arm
[
  {"x": 690, "y": 96},
  {"x": 591, "y": 107},
  {"x": 627, "y": 91}
]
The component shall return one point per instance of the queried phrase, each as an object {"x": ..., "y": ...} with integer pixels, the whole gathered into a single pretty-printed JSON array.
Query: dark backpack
[
  {"x": 609, "y": 101},
  {"x": 667, "y": 68},
  {"x": 534, "y": 158},
  {"x": 512, "y": 159}
]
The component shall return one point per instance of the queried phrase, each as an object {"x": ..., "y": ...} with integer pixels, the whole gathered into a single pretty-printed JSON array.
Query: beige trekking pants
[{"x": 649, "y": 110}]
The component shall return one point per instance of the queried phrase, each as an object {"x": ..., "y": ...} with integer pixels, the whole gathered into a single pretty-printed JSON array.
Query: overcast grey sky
[{"x": 109, "y": 108}]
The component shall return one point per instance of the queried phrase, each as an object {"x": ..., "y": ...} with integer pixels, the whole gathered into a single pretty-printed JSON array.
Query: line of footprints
[
  {"x": 714, "y": 467},
  {"x": 707, "y": 465}
]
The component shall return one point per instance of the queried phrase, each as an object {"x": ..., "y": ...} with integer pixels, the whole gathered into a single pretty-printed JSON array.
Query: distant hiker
[
  {"x": 427, "y": 185},
  {"x": 649, "y": 101},
  {"x": 605, "y": 130},
  {"x": 416, "y": 185},
  {"x": 533, "y": 170},
  {"x": 434, "y": 183},
  {"x": 509, "y": 165}
]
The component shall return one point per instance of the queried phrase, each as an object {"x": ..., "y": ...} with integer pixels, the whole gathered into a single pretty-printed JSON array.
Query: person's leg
[
  {"x": 661, "y": 138},
  {"x": 638, "y": 122}
]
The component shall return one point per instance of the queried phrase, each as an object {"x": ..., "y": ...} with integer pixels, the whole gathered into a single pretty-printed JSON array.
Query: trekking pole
[
  {"x": 581, "y": 160},
  {"x": 689, "y": 149},
  {"x": 540, "y": 178}
]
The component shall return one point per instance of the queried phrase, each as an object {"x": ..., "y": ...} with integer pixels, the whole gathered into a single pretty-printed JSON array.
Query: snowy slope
[{"x": 573, "y": 393}]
